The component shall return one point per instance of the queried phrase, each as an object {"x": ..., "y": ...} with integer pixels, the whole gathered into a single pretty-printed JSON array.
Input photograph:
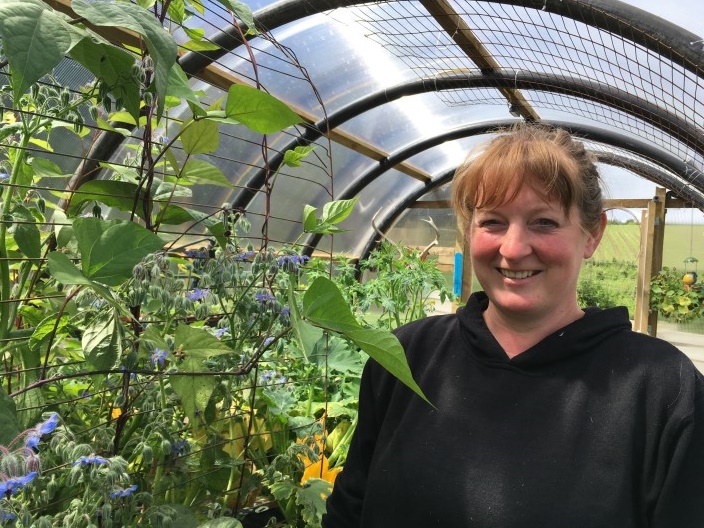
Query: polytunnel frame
[
  {"x": 643, "y": 28},
  {"x": 664, "y": 174},
  {"x": 596, "y": 14}
]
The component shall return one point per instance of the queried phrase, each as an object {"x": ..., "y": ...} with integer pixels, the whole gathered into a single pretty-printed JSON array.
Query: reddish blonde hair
[{"x": 546, "y": 158}]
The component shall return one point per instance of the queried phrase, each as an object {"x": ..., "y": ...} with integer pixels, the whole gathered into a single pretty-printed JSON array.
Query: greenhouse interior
[{"x": 214, "y": 211}]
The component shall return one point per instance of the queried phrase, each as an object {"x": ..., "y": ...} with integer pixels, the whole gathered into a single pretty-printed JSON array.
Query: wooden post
[
  {"x": 462, "y": 275},
  {"x": 652, "y": 235}
]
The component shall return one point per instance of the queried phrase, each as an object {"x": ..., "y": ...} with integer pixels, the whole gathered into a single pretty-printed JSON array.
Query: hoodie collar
[{"x": 578, "y": 337}]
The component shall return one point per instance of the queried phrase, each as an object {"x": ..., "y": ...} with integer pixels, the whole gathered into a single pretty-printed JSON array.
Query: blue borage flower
[
  {"x": 12, "y": 485},
  {"x": 244, "y": 256},
  {"x": 91, "y": 460},
  {"x": 221, "y": 332},
  {"x": 46, "y": 427},
  {"x": 197, "y": 294},
  {"x": 158, "y": 357},
  {"x": 264, "y": 297},
  {"x": 120, "y": 493},
  {"x": 297, "y": 260},
  {"x": 7, "y": 516}
]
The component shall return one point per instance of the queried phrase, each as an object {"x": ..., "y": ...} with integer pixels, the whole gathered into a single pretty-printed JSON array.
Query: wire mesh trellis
[{"x": 156, "y": 323}]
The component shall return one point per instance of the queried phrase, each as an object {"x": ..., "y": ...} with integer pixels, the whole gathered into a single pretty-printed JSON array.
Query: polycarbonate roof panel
[{"x": 561, "y": 69}]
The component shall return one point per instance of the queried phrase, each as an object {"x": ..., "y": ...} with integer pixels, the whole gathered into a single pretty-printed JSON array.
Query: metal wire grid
[{"x": 541, "y": 45}]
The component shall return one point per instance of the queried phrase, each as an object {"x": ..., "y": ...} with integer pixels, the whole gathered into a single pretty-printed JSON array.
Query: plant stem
[{"x": 5, "y": 321}]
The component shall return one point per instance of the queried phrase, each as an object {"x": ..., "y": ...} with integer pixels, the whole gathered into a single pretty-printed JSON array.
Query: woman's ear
[{"x": 595, "y": 237}]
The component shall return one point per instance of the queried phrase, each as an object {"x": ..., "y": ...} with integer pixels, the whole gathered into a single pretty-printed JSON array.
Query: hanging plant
[{"x": 676, "y": 295}]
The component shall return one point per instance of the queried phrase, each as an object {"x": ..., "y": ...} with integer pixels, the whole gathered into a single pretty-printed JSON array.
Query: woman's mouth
[{"x": 514, "y": 274}]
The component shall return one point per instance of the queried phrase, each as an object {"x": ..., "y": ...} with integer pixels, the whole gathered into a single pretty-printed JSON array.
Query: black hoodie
[{"x": 595, "y": 426}]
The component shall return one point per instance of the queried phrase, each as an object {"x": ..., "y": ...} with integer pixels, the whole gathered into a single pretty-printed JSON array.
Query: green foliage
[
  {"x": 190, "y": 382},
  {"x": 675, "y": 300},
  {"x": 606, "y": 284}
]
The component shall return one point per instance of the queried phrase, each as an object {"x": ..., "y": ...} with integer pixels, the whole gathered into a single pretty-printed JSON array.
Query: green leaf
[
  {"x": 258, "y": 110},
  {"x": 160, "y": 44},
  {"x": 222, "y": 522},
  {"x": 43, "y": 168},
  {"x": 174, "y": 215},
  {"x": 324, "y": 306},
  {"x": 44, "y": 330},
  {"x": 194, "y": 391},
  {"x": 178, "y": 85},
  {"x": 115, "y": 67},
  {"x": 34, "y": 39},
  {"x": 113, "y": 193},
  {"x": 8, "y": 418},
  {"x": 26, "y": 233},
  {"x": 241, "y": 11},
  {"x": 64, "y": 271},
  {"x": 306, "y": 334},
  {"x": 312, "y": 496},
  {"x": 200, "y": 137},
  {"x": 101, "y": 341},
  {"x": 110, "y": 249},
  {"x": 198, "y": 343},
  {"x": 292, "y": 158},
  {"x": 336, "y": 211},
  {"x": 201, "y": 171},
  {"x": 310, "y": 221}
]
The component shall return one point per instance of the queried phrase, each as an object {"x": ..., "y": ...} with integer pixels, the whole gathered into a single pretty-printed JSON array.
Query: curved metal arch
[
  {"x": 590, "y": 90},
  {"x": 651, "y": 32},
  {"x": 669, "y": 178}
]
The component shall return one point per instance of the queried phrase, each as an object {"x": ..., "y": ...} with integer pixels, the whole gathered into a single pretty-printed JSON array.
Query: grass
[{"x": 622, "y": 242}]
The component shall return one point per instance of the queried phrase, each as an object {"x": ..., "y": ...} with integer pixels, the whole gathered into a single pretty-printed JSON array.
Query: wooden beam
[{"x": 458, "y": 30}]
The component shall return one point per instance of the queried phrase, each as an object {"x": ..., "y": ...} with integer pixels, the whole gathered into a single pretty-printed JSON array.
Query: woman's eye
[
  {"x": 546, "y": 222},
  {"x": 488, "y": 223}
]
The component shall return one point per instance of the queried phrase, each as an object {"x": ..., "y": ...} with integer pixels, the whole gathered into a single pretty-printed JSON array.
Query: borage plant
[{"x": 191, "y": 382}]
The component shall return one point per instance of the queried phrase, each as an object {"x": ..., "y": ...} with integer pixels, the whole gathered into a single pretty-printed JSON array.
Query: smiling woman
[{"x": 543, "y": 414}]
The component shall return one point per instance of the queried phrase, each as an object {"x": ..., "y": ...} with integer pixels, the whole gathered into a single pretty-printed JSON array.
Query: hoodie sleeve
[{"x": 681, "y": 500}]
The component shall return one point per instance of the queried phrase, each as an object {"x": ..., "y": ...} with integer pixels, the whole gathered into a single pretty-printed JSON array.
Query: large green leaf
[
  {"x": 200, "y": 137},
  {"x": 110, "y": 249},
  {"x": 113, "y": 193},
  {"x": 306, "y": 334},
  {"x": 198, "y": 343},
  {"x": 201, "y": 171},
  {"x": 101, "y": 341},
  {"x": 324, "y": 306},
  {"x": 161, "y": 45},
  {"x": 64, "y": 271},
  {"x": 26, "y": 233},
  {"x": 35, "y": 39},
  {"x": 115, "y": 67},
  {"x": 8, "y": 418},
  {"x": 258, "y": 110},
  {"x": 46, "y": 330},
  {"x": 336, "y": 211},
  {"x": 194, "y": 390}
]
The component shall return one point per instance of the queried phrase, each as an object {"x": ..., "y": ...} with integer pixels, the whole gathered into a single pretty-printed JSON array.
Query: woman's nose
[{"x": 515, "y": 243}]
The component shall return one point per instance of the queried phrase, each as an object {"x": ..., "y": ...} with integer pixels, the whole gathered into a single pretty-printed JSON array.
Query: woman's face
[{"x": 527, "y": 255}]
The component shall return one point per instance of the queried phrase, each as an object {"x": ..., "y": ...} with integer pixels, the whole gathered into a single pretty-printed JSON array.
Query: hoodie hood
[{"x": 578, "y": 337}]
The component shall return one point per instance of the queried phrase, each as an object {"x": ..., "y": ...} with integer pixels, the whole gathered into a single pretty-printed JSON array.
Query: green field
[{"x": 622, "y": 241}]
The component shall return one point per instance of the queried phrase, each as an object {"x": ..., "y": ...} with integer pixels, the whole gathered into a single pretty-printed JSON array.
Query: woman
[{"x": 546, "y": 415}]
